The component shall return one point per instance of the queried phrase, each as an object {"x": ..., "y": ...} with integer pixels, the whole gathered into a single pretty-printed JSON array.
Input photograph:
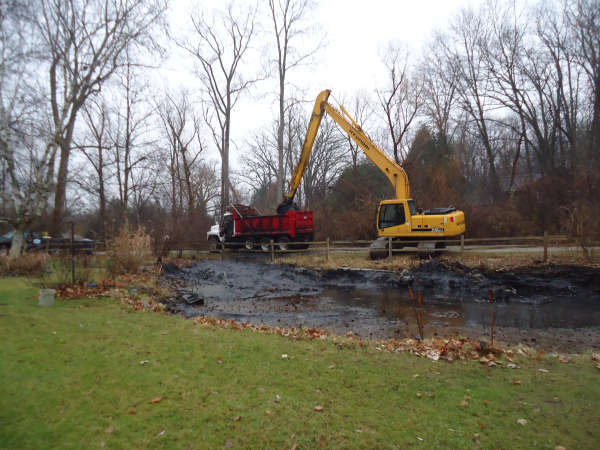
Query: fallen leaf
[
  {"x": 109, "y": 430},
  {"x": 164, "y": 333},
  {"x": 278, "y": 397},
  {"x": 486, "y": 402},
  {"x": 463, "y": 403},
  {"x": 490, "y": 378},
  {"x": 238, "y": 418},
  {"x": 144, "y": 362},
  {"x": 284, "y": 356},
  {"x": 466, "y": 398},
  {"x": 536, "y": 410},
  {"x": 419, "y": 439},
  {"x": 219, "y": 360},
  {"x": 292, "y": 436},
  {"x": 268, "y": 412},
  {"x": 161, "y": 433},
  {"x": 97, "y": 380},
  {"x": 419, "y": 395},
  {"x": 522, "y": 422},
  {"x": 517, "y": 382},
  {"x": 133, "y": 413},
  {"x": 228, "y": 443},
  {"x": 318, "y": 408},
  {"x": 54, "y": 332},
  {"x": 181, "y": 410},
  {"x": 416, "y": 376},
  {"x": 358, "y": 431},
  {"x": 543, "y": 370},
  {"x": 262, "y": 389},
  {"x": 156, "y": 400},
  {"x": 295, "y": 446},
  {"x": 559, "y": 447},
  {"x": 332, "y": 367},
  {"x": 191, "y": 446}
]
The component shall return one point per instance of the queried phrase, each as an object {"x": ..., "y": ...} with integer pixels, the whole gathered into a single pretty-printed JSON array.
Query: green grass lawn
[{"x": 71, "y": 373}]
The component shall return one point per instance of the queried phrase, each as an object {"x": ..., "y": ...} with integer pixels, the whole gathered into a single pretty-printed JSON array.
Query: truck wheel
[
  {"x": 213, "y": 244},
  {"x": 265, "y": 244},
  {"x": 249, "y": 243},
  {"x": 283, "y": 243}
]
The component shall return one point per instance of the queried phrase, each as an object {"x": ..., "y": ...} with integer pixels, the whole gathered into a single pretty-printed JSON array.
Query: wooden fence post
[
  {"x": 272, "y": 252},
  {"x": 390, "y": 247},
  {"x": 223, "y": 251},
  {"x": 462, "y": 248},
  {"x": 545, "y": 246},
  {"x": 327, "y": 249}
]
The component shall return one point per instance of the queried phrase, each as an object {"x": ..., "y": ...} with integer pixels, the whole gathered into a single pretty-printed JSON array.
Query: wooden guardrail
[{"x": 460, "y": 245}]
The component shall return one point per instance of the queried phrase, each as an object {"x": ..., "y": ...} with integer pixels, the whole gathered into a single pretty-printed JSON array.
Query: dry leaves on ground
[
  {"x": 318, "y": 408},
  {"x": 109, "y": 430},
  {"x": 156, "y": 400},
  {"x": 522, "y": 422}
]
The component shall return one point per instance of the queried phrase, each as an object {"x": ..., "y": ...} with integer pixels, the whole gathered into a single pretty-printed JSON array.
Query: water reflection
[{"x": 557, "y": 312}]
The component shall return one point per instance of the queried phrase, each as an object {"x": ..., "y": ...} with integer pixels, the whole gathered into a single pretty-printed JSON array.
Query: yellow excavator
[{"x": 398, "y": 218}]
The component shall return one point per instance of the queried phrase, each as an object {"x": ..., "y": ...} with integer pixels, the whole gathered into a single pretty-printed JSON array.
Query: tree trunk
[
  {"x": 595, "y": 128},
  {"x": 17, "y": 243},
  {"x": 60, "y": 193},
  {"x": 280, "y": 172}
]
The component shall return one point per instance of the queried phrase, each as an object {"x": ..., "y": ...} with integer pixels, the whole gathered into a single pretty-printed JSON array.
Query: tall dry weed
[
  {"x": 128, "y": 250},
  {"x": 27, "y": 264}
]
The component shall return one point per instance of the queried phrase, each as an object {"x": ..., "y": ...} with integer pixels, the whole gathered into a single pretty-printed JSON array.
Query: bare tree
[
  {"x": 222, "y": 41},
  {"x": 182, "y": 129},
  {"x": 21, "y": 124},
  {"x": 439, "y": 91},
  {"x": 400, "y": 100},
  {"x": 361, "y": 106},
  {"x": 291, "y": 25},
  {"x": 583, "y": 17},
  {"x": 96, "y": 146},
  {"x": 85, "y": 43},
  {"x": 132, "y": 145},
  {"x": 461, "y": 48}
]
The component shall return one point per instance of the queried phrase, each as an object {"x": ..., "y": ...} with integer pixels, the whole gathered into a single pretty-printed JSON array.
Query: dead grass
[
  {"x": 350, "y": 260},
  {"x": 129, "y": 250},
  {"x": 484, "y": 261},
  {"x": 27, "y": 264},
  {"x": 505, "y": 261}
]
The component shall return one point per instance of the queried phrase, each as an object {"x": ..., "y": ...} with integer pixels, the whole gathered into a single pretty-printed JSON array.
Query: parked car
[
  {"x": 33, "y": 240},
  {"x": 36, "y": 239}
]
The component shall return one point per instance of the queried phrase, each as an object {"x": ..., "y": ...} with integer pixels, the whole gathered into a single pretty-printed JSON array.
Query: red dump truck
[{"x": 245, "y": 225}]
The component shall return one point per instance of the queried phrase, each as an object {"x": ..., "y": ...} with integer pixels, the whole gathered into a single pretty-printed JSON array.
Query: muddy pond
[{"x": 554, "y": 308}]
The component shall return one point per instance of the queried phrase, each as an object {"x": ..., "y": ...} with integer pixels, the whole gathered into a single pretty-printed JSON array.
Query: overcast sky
[{"x": 355, "y": 30}]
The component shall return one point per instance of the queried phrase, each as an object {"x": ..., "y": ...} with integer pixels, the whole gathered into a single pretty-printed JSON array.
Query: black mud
[{"x": 551, "y": 307}]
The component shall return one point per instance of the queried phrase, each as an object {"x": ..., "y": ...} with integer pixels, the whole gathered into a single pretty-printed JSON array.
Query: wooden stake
[
  {"x": 419, "y": 293},
  {"x": 492, "y": 313},
  {"x": 223, "y": 251},
  {"x": 412, "y": 298},
  {"x": 390, "y": 247},
  {"x": 73, "y": 250}
]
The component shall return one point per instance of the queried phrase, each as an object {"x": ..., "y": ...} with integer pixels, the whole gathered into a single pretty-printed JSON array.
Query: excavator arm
[{"x": 393, "y": 171}]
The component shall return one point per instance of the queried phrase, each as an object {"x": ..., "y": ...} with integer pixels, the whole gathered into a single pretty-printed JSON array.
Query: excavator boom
[{"x": 393, "y": 171}]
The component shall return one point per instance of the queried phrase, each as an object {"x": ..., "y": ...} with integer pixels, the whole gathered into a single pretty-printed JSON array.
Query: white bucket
[{"x": 47, "y": 297}]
